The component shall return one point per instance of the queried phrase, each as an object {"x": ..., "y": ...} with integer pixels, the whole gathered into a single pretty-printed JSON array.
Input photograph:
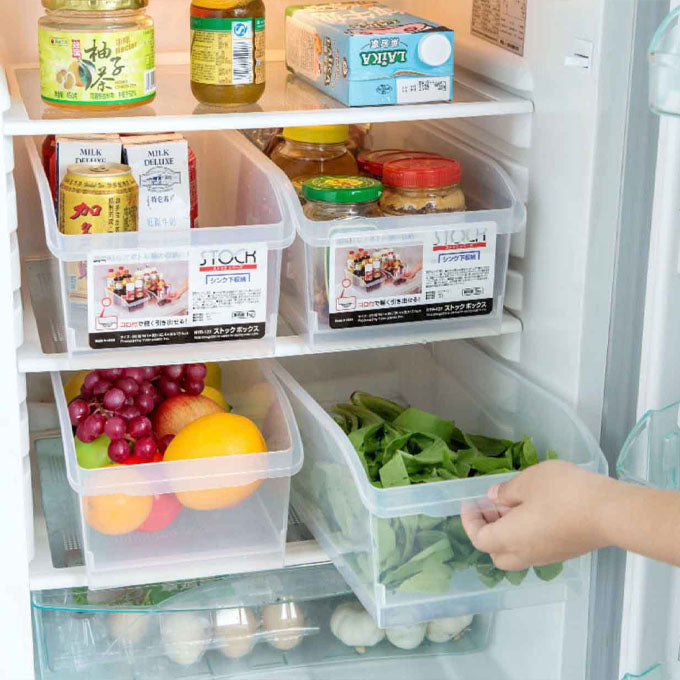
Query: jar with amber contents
[
  {"x": 227, "y": 51},
  {"x": 313, "y": 151},
  {"x": 96, "y": 54},
  {"x": 420, "y": 186}
]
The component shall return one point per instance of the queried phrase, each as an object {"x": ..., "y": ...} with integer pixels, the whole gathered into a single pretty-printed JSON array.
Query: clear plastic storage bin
[
  {"x": 321, "y": 248},
  {"x": 359, "y": 525},
  {"x": 241, "y": 209},
  {"x": 269, "y": 622},
  {"x": 651, "y": 454},
  {"x": 664, "y": 66},
  {"x": 247, "y": 531}
]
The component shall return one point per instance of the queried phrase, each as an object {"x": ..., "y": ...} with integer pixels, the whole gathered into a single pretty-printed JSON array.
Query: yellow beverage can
[{"x": 98, "y": 198}]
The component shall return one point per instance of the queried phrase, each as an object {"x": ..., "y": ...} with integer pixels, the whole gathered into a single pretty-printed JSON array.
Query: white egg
[
  {"x": 185, "y": 636},
  {"x": 128, "y": 628},
  {"x": 284, "y": 625},
  {"x": 235, "y": 631}
]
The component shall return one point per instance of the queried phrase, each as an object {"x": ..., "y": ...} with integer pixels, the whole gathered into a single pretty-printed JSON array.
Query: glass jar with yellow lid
[
  {"x": 96, "y": 54},
  {"x": 227, "y": 51},
  {"x": 315, "y": 150}
]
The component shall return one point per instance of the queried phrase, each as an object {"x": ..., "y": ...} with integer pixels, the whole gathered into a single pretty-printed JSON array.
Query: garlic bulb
[
  {"x": 406, "y": 637},
  {"x": 444, "y": 630},
  {"x": 128, "y": 628},
  {"x": 353, "y": 626},
  {"x": 185, "y": 636},
  {"x": 279, "y": 618},
  {"x": 235, "y": 631}
]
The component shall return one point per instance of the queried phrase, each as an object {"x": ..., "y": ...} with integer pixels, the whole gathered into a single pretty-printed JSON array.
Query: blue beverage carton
[{"x": 365, "y": 53}]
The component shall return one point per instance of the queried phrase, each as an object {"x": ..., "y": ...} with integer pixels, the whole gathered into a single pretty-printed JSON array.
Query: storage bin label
[
  {"x": 386, "y": 277},
  {"x": 174, "y": 296}
]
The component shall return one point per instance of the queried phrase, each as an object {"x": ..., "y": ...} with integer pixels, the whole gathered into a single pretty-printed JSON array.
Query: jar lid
[
  {"x": 366, "y": 155},
  {"x": 318, "y": 134},
  {"x": 332, "y": 189},
  {"x": 94, "y": 5},
  {"x": 376, "y": 167},
  {"x": 422, "y": 173}
]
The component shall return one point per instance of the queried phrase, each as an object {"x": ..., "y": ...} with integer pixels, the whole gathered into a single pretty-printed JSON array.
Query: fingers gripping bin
[
  {"x": 403, "y": 550},
  {"x": 231, "y": 265},
  {"x": 453, "y": 266},
  {"x": 651, "y": 454},
  {"x": 220, "y": 514}
]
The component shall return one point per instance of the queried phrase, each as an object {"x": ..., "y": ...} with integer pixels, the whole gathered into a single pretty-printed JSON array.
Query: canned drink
[{"x": 98, "y": 198}]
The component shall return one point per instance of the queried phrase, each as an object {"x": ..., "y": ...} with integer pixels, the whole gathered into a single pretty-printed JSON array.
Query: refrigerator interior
[{"x": 560, "y": 132}]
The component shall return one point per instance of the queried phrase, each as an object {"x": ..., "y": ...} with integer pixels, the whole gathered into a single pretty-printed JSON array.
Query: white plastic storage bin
[
  {"x": 651, "y": 454},
  {"x": 241, "y": 202},
  {"x": 364, "y": 529},
  {"x": 246, "y": 535},
  {"x": 217, "y": 628},
  {"x": 664, "y": 66},
  {"x": 494, "y": 213}
]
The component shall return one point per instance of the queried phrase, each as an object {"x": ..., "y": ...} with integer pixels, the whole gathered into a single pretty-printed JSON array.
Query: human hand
[{"x": 549, "y": 513}]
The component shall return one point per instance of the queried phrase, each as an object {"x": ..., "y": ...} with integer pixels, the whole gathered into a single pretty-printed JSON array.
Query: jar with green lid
[
  {"x": 341, "y": 198},
  {"x": 227, "y": 51},
  {"x": 96, "y": 54},
  {"x": 315, "y": 150}
]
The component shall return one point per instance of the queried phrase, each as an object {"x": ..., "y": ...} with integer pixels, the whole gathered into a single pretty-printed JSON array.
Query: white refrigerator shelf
[{"x": 286, "y": 101}]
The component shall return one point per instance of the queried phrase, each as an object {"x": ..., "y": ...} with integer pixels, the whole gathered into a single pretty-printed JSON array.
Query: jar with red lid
[
  {"x": 420, "y": 186},
  {"x": 375, "y": 162}
]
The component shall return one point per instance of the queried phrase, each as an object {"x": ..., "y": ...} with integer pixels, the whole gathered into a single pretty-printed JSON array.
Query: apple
[
  {"x": 177, "y": 412},
  {"x": 95, "y": 454},
  {"x": 163, "y": 513}
]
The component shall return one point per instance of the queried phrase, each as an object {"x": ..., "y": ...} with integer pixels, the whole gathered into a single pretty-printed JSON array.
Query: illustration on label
[
  {"x": 170, "y": 297},
  {"x": 386, "y": 278}
]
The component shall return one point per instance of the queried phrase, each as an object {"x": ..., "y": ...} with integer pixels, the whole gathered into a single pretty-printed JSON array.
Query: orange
[
  {"x": 115, "y": 514},
  {"x": 217, "y": 434}
]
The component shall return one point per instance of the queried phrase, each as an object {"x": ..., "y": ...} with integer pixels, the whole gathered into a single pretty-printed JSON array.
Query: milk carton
[{"x": 364, "y": 53}]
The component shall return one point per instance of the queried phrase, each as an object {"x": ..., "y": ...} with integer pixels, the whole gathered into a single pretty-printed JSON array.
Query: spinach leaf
[
  {"x": 421, "y": 421},
  {"x": 549, "y": 572}
]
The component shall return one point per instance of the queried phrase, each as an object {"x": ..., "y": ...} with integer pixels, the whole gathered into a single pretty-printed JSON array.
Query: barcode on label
[
  {"x": 242, "y": 55},
  {"x": 150, "y": 81}
]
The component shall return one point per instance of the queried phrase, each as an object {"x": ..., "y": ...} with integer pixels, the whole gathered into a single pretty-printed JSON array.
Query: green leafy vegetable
[{"x": 400, "y": 446}]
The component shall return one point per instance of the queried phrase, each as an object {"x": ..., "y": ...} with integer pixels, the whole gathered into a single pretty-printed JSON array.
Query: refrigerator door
[{"x": 650, "y": 633}]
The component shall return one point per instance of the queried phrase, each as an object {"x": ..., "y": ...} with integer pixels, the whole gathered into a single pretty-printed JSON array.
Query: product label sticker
[
  {"x": 385, "y": 278},
  {"x": 175, "y": 296},
  {"x": 415, "y": 90},
  {"x": 501, "y": 22}
]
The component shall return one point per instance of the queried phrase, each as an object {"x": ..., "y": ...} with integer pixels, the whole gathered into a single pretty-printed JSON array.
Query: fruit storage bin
[
  {"x": 249, "y": 494},
  {"x": 179, "y": 629},
  {"x": 651, "y": 454},
  {"x": 363, "y": 529},
  {"x": 241, "y": 208},
  {"x": 494, "y": 206}
]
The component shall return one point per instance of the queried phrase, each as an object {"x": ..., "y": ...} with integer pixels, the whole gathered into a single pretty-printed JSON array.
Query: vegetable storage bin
[
  {"x": 664, "y": 66},
  {"x": 382, "y": 540},
  {"x": 455, "y": 263},
  {"x": 270, "y": 622},
  {"x": 651, "y": 454},
  {"x": 231, "y": 264},
  {"x": 241, "y": 525}
]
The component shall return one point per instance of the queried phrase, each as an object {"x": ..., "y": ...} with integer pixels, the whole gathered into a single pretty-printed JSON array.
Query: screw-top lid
[
  {"x": 94, "y": 5},
  {"x": 367, "y": 155},
  {"x": 318, "y": 134},
  {"x": 422, "y": 173},
  {"x": 435, "y": 49},
  {"x": 331, "y": 189},
  {"x": 376, "y": 166}
]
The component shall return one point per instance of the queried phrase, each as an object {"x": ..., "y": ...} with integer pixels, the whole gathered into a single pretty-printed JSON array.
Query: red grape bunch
[{"x": 117, "y": 402}]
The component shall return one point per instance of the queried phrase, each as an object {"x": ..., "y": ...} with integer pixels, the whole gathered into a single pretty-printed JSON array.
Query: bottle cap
[
  {"x": 94, "y": 5},
  {"x": 330, "y": 189},
  {"x": 318, "y": 134},
  {"x": 422, "y": 173}
]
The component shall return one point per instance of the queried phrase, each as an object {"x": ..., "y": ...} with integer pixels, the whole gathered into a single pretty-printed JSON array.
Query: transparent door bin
[
  {"x": 214, "y": 628},
  {"x": 664, "y": 66},
  {"x": 364, "y": 529},
  {"x": 240, "y": 205},
  {"x": 651, "y": 454},
  {"x": 492, "y": 201},
  {"x": 243, "y": 499}
]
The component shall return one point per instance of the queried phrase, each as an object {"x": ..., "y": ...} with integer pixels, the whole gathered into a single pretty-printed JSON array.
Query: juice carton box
[{"x": 365, "y": 53}]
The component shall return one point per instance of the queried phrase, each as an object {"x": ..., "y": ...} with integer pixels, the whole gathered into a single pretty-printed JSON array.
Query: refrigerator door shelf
[{"x": 651, "y": 454}]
